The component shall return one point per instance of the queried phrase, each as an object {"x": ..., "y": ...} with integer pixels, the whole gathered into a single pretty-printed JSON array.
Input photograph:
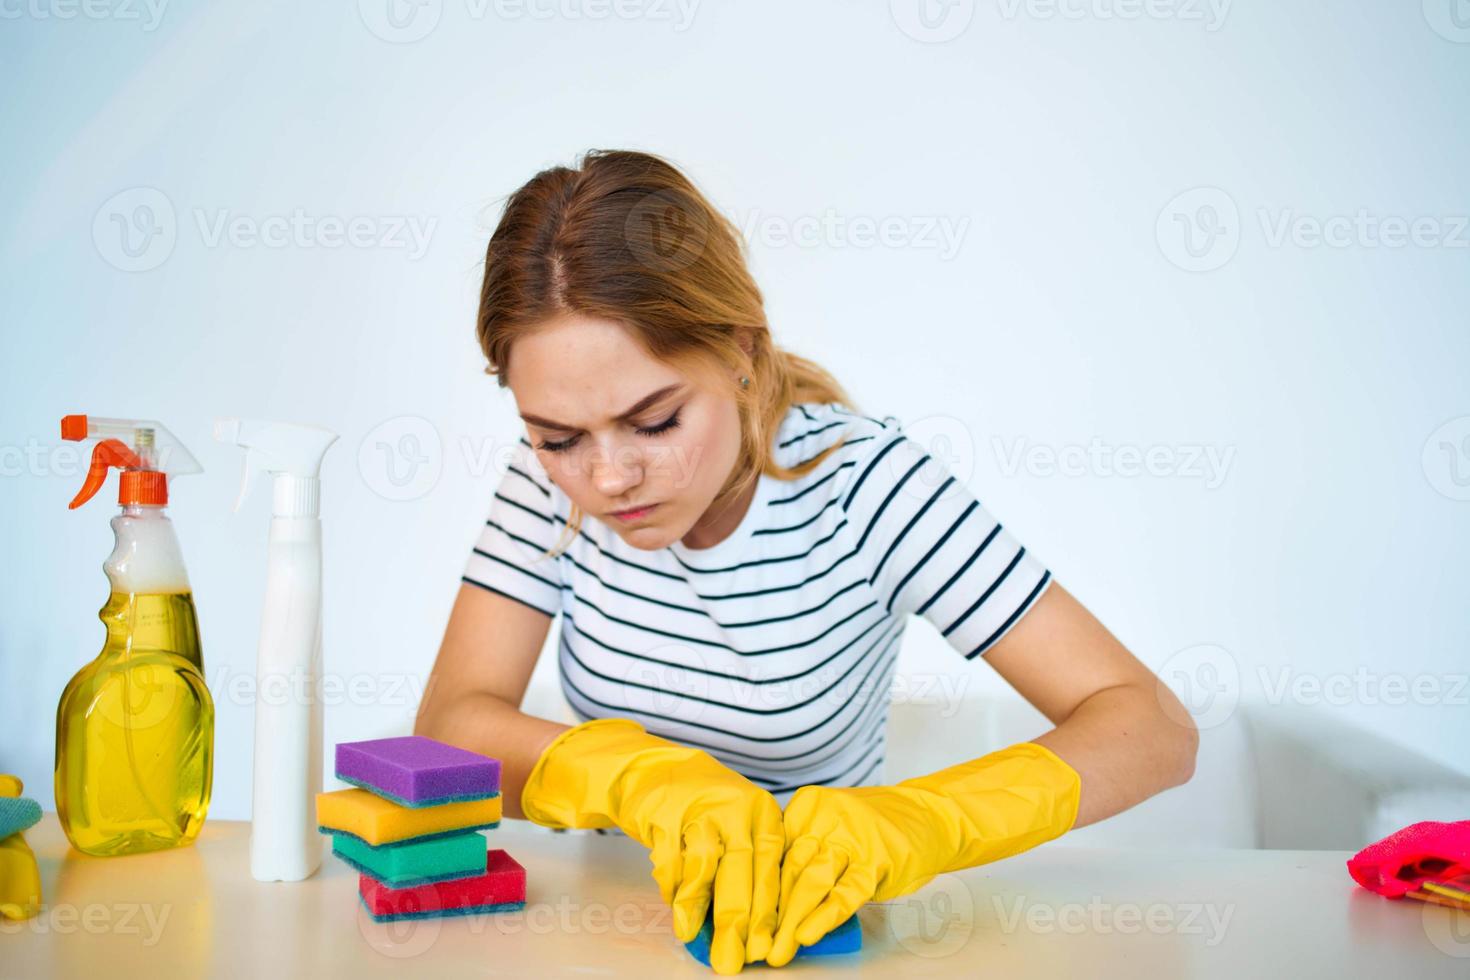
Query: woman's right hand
[{"x": 714, "y": 837}]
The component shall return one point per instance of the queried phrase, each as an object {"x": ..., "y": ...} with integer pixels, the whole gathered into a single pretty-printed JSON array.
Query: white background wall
[{"x": 1328, "y": 547}]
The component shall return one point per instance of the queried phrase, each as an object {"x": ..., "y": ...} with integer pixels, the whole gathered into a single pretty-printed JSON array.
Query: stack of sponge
[{"x": 411, "y": 828}]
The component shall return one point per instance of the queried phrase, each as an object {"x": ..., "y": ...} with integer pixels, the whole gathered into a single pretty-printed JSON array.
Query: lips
[{"x": 633, "y": 513}]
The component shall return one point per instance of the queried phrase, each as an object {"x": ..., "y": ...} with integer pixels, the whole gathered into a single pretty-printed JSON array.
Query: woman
[{"x": 732, "y": 613}]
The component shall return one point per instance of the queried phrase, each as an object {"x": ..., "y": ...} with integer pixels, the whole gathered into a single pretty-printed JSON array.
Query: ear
[{"x": 747, "y": 342}]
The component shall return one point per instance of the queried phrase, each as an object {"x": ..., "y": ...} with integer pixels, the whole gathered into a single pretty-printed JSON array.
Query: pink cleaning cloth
[{"x": 1426, "y": 850}]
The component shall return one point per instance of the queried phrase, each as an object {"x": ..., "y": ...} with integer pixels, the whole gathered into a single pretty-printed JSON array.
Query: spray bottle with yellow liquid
[{"x": 135, "y": 727}]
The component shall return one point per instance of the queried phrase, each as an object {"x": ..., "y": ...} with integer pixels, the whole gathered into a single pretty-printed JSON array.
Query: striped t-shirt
[{"x": 774, "y": 649}]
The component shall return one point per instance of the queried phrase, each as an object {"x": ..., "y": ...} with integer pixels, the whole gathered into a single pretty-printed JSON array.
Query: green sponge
[
  {"x": 414, "y": 862},
  {"x": 17, "y": 813}
]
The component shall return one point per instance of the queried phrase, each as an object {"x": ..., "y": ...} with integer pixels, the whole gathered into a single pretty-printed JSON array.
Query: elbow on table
[
  {"x": 1186, "y": 749},
  {"x": 1175, "y": 731}
]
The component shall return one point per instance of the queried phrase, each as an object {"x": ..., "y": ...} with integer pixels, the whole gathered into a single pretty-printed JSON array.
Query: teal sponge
[
  {"x": 17, "y": 813},
  {"x": 414, "y": 862}
]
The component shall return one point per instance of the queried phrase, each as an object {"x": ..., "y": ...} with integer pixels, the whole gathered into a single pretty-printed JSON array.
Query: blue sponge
[
  {"x": 17, "y": 813},
  {"x": 846, "y": 938}
]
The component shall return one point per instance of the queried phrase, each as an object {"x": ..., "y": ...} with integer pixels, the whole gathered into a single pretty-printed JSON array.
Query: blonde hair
[{"x": 626, "y": 237}]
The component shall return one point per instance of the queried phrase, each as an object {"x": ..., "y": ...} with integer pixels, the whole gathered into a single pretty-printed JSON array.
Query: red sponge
[
  {"x": 1405, "y": 858},
  {"x": 502, "y": 887}
]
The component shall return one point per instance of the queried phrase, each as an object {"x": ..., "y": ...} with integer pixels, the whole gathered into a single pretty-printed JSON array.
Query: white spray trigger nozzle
[
  {"x": 247, "y": 472},
  {"x": 287, "y": 450},
  {"x": 228, "y": 430}
]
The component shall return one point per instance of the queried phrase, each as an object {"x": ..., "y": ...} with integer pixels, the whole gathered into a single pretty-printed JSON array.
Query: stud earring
[{"x": 744, "y": 382}]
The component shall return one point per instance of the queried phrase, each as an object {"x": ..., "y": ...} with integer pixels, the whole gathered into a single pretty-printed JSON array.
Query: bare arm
[
  {"x": 474, "y": 692},
  {"x": 1124, "y": 732}
]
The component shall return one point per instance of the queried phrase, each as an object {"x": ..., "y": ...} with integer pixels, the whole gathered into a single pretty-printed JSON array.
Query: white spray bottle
[{"x": 284, "y": 842}]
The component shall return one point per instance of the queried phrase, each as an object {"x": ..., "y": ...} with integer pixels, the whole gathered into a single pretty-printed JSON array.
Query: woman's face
[{"x": 615, "y": 428}]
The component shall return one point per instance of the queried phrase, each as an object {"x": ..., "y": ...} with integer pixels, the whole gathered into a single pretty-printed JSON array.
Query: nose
[{"x": 617, "y": 469}]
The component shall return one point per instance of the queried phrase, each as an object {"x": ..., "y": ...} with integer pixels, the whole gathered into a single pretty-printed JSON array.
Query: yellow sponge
[{"x": 378, "y": 821}]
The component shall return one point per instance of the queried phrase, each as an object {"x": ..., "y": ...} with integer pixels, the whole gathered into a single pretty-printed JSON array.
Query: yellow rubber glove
[
  {"x": 713, "y": 835},
  {"x": 847, "y": 846},
  {"x": 20, "y": 878}
]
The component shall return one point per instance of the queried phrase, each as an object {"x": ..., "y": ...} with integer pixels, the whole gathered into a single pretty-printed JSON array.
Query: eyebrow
[{"x": 641, "y": 404}]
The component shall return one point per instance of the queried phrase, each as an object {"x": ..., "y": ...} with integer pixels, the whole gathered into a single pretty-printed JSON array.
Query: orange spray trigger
[
  {"x": 74, "y": 427},
  {"x": 108, "y": 452}
]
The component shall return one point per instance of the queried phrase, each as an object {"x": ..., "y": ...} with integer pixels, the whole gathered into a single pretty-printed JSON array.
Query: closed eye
[{"x": 671, "y": 422}]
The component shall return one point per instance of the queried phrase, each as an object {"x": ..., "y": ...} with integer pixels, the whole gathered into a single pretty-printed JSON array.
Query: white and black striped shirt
[{"x": 773, "y": 649}]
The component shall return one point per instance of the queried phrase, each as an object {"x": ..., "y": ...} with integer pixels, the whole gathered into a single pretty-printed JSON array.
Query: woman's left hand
[{"x": 848, "y": 846}]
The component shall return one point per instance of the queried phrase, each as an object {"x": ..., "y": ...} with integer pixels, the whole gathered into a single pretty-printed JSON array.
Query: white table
[{"x": 593, "y": 910}]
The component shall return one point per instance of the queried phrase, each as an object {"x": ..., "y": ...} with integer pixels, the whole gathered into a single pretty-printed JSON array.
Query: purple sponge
[{"x": 416, "y": 771}]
